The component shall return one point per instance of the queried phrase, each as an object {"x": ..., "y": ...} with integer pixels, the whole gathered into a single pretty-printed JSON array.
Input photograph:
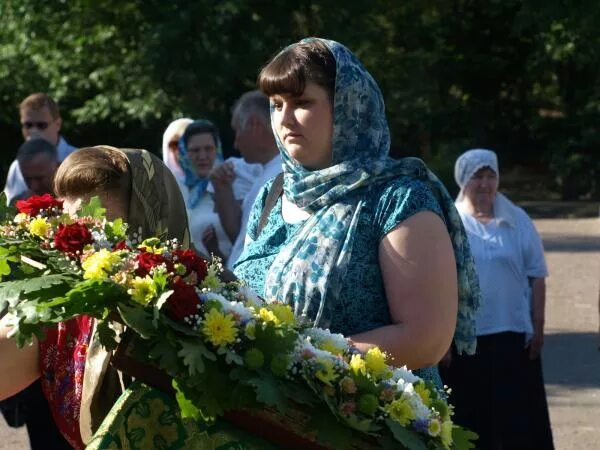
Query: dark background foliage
[{"x": 520, "y": 77}]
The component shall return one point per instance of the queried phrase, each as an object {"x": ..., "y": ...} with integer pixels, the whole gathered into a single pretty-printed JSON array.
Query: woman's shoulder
[{"x": 400, "y": 198}]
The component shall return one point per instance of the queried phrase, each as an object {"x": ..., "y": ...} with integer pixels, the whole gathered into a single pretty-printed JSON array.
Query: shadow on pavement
[
  {"x": 572, "y": 359},
  {"x": 570, "y": 243}
]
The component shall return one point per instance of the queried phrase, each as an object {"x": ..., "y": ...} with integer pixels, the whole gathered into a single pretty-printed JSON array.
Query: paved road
[{"x": 571, "y": 356}]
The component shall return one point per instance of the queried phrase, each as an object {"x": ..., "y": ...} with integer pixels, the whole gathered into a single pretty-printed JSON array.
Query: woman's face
[
  {"x": 304, "y": 125},
  {"x": 482, "y": 187},
  {"x": 202, "y": 151}
]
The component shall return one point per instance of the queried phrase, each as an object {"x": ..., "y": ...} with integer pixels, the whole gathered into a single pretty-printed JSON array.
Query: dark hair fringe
[
  {"x": 290, "y": 70},
  {"x": 201, "y": 127}
]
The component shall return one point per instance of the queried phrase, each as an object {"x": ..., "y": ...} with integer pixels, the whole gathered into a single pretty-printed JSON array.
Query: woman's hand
[
  {"x": 210, "y": 241},
  {"x": 19, "y": 366},
  {"x": 419, "y": 274}
]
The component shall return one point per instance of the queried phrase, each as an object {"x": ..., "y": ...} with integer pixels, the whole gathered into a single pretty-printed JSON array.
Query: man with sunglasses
[{"x": 39, "y": 117}]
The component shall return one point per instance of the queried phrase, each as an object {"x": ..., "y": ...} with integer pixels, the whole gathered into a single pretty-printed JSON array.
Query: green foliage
[
  {"x": 193, "y": 353},
  {"x": 507, "y": 75},
  {"x": 463, "y": 438},
  {"x": 93, "y": 208},
  {"x": 408, "y": 438}
]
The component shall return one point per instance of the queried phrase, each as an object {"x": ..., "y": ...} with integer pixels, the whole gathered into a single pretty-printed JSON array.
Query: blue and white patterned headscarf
[
  {"x": 195, "y": 183},
  {"x": 315, "y": 262}
]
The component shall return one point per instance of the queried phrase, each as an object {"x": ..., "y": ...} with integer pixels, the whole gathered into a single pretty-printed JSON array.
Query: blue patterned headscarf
[
  {"x": 313, "y": 265},
  {"x": 195, "y": 183}
]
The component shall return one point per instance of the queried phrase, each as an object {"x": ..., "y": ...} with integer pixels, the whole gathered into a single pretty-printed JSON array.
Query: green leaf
[
  {"x": 188, "y": 410},
  {"x": 159, "y": 304},
  {"x": 92, "y": 209},
  {"x": 463, "y": 438},
  {"x": 43, "y": 287},
  {"x": 408, "y": 438},
  {"x": 90, "y": 297},
  {"x": 166, "y": 356},
  {"x": 115, "y": 230},
  {"x": 267, "y": 392},
  {"x": 6, "y": 211},
  {"x": 139, "y": 320},
  {"x": 106, "y": 335},
  {"x": 193, "y": 353},
  {"x": 329, "y": 431}
]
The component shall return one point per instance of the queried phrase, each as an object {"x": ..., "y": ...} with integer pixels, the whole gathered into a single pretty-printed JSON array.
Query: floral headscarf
[
  {"x": 361, "y": 142},
  {"x": 469, "y": 163},
  {"x": 175, "y": 128},
  {"x": 195, "y": 183}
]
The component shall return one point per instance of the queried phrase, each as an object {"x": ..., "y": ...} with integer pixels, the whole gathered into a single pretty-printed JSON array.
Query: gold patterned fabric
[{"x": 146, "y": 418}]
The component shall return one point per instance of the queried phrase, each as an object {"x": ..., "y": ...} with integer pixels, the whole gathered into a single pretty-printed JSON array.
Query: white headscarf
[
  {"x": 175, "y": 128},
  {"x": 469, "y": 163}
]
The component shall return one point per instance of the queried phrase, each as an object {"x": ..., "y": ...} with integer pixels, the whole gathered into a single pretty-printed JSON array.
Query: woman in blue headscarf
[
  {"x": 199, "y": 152},
  {"x": 359, "y": 243}
]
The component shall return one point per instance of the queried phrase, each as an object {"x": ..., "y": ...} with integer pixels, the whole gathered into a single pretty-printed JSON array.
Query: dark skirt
[{"x": 499, "y": 394}]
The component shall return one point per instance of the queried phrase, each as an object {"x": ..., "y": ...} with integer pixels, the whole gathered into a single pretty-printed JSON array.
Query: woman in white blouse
[
  {"x": 199, "y": 152},
  {"x": 499, "y": 392}
]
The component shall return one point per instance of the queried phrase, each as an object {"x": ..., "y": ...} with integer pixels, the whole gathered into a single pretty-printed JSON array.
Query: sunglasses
[{"x": 38, "y": 125}]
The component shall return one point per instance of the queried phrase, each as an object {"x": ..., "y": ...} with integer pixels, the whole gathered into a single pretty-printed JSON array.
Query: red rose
[
  {"x": 183, "y": 302},
  {"x": 146, "y": 261},
  {"x": 121, "y": 245},
  {"x": 192, "y": 263},
  {"x": 33, "y": 205},
  {"x": 72, "y": 238}
]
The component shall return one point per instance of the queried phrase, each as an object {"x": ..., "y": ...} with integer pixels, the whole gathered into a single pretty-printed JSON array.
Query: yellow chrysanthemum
[
  {"x": 143, "y": 290},
  {"x": 446, "y": 433},
  {"x": 401, "y": 411},
  {"x": 39, "y": 227},
  {"x": 268, "y": 316},
  {"x": 434, "y": 428},
  {"x": 219, "y": 328},
  {"x": 357, "y": 364},
  {"x": 424, "y": 393},
  {"x": 326, "y": 372},
  {"x": 375, "y": 361},
  {"x": 99, "y": 264},
  {"x": 283, "y": 313}
]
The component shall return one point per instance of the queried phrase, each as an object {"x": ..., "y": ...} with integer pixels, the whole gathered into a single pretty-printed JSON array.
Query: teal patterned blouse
[{"x": 361, "y": 304}]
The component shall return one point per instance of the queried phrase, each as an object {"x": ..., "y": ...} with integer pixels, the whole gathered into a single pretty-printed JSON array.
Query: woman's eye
[{"x": 277, "y": 105}]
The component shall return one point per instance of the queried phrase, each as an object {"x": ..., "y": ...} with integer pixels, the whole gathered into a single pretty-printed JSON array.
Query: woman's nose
[{"x": 287, "y": 114}]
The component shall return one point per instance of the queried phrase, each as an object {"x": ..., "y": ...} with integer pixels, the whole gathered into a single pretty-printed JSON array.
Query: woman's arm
[
  {"x": 19, "y": 366},
  {"x": 419, "y": 273},
  {"x": 538, "y": 294}
]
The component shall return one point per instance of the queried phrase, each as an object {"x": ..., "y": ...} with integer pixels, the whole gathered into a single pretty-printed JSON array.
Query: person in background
[
  {"x": 254, "y": 139},
  {"x": 170, "y": 147},
  {"x": 37, "y": 162},
  {"x": 40, "y": 117},
  {"x": 499, "y": 392},
  {"x": 199, "y": 153}
]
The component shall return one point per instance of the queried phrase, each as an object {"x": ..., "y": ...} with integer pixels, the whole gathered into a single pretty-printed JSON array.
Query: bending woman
[
  {"x": 76, "y": 379},
  {"x": 364, "y": 245}
]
